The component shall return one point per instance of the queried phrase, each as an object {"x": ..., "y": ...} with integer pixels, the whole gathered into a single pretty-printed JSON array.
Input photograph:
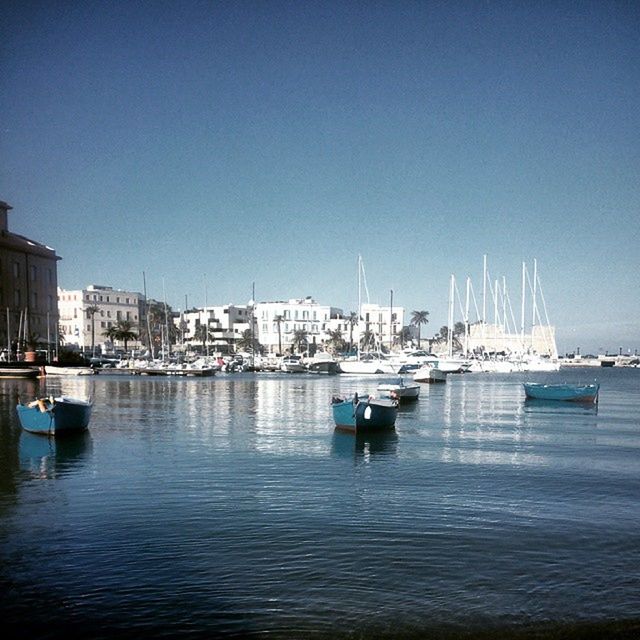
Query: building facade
[
  {"x": 225, "y": 326},
  {"x": 28, "y": 290},
  {"x": 87, "y": 314},
  {"x": 276, "y": 323}
]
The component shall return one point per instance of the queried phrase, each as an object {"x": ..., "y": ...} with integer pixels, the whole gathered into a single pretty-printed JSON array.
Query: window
[
  {"x": 34, "y": 272},
  {"x": 16, "y": 269}
]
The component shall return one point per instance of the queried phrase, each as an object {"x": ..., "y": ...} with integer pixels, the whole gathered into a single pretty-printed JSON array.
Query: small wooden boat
[
  {"x": 363, "y": 413},
  {"x": 55, "y": 416},
  {"x": 566, "y": 392},
  {"x": 399, "y": 391}
]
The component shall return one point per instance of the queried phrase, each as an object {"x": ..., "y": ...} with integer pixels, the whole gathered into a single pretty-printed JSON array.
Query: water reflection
[
  {"x": 361, "y": 447},
  {"x": 535, "y": 405},
  {"x": 45, "y": 458}
]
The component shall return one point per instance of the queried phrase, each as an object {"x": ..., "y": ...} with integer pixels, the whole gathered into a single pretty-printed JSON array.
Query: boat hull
[
  {"x": 326, "y": 367},
  {"x": 400, "y": 392},
  {"x": 19, "y": 372},
  {"x": 562, "y": 392},
  {"x": 430, "y": 374},
  {"x": 66, "y": 415},
  {"x": 368, "y": 367},
  {"x": 356, "y": 415}
]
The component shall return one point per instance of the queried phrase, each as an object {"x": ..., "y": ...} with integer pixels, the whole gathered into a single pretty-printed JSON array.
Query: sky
[{"x": 210, "y": 149}]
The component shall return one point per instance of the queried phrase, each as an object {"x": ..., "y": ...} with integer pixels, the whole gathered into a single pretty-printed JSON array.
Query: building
[
  {"x": 225, "y": 324},
  {"x": 28, "y": 286},
  {"x": 494, "y": 338},
  {"x": 382, "y": 324},
  {"x": 87, "y": 314},
  {"x": 277, "y": 323}
]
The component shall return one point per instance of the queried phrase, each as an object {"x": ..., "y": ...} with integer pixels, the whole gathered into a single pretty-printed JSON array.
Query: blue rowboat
[
  {"x": 55, "y": 416},
  {"x": 363, "y": 413},
  {"x": 569, "y": 392}
]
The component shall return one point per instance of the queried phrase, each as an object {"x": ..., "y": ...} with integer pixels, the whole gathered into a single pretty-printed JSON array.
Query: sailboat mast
[
  {"x": 466, "y": 319},
  {"x": 484, "y": 297},
  {"x": 522, "y": 309},
  {"x": 450, "y": 321}
]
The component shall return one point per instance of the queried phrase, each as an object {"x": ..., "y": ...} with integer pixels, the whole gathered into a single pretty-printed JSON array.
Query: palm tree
[
  {"x": 367, "y": 339},
  {"x": 91, "y": 311},
  {"x": 279, "y": 320},
  {"x": 336, "y": 341},
  {"x": 124, "y": 331},
  {"x": 352, "y": 320},
  {"x": 248, "y": 342},
  {"x": 110, "y": 333},
  {"x": 202, "y": 334},
  {"x": 419, "y": 318},
  {"x": 300, "y": 339}
]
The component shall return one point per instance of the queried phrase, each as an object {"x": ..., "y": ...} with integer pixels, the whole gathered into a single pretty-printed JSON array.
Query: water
[{"x": 229, "y": 507}]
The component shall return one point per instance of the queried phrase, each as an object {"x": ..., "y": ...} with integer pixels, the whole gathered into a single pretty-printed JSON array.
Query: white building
[
  {"x": 225, "y": 323},
  {"x": 277, "y": 322},
  {"x": 318, "y": 320},
  {"x": 384, "y": 324},
  {"x": 86, "y": 314}
]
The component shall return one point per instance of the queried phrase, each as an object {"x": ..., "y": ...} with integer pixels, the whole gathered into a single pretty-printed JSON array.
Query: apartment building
[
  {"x": 28, "y": 286},
  {"x": 87, "y": 314},
  {"x": 225, "y": 327}
]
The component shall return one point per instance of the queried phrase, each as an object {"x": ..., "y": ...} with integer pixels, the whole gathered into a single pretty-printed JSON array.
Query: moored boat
[
  {"x": 55, "y": 370},
  {"x": 55, "y": 416},
  {"x": 19, "y": 372},
  {"x": 364, "y": 413},
  {"x": 429, "y": 373},
  {"x": 399, "y": 391},
  {"x": 565, "y": 392},
  {"x": 292, "y": 364}
]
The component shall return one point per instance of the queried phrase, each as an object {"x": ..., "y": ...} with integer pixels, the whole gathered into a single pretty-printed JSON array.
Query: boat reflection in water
[
  {"x": 538, "y": 405},
  {"x": 45, "y": 457},
  {"x": 362, "y": 446}
]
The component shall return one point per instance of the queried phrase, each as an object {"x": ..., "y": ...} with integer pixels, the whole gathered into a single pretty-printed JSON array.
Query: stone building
[{"x": 28, "y": 290}]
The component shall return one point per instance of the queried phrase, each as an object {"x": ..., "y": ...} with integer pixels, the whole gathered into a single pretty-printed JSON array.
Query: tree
[
  {"x": 404, "y": 336},
  {"x": 279, "y": 320},
  {"x": 336, "y": 341},
  {"x": 91, "y": 311},
  {"x": 122, "y": 330},
  {"x": 300, "y": 339},
  {"x": 202, "y": 334},
  {"x": 247, "y": 342},
  {"x": 418, "y": 318},
  {"x": 352, "y": 320},
  {"x": 367, "y": 340},
  {"x": 157, "y": 321}
]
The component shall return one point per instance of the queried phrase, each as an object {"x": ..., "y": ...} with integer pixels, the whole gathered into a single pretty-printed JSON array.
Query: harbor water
[{"x": 230, "y": 507}]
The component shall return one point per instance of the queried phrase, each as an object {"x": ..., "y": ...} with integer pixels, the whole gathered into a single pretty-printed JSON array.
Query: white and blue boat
[
  {"x": 363, "y": 413},
  {"x": 55, "y": 416},
  {"x": 566, "y": 392}
]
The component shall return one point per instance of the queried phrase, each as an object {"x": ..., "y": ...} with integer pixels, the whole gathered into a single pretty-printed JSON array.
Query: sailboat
[{"x": 374, "y": 363}]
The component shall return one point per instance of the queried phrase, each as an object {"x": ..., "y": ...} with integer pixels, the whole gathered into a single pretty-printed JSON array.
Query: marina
[{"x": 230, "y": 506}]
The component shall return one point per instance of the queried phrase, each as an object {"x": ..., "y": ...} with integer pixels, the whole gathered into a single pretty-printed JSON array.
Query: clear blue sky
[{"x": 228, "y": 143}]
